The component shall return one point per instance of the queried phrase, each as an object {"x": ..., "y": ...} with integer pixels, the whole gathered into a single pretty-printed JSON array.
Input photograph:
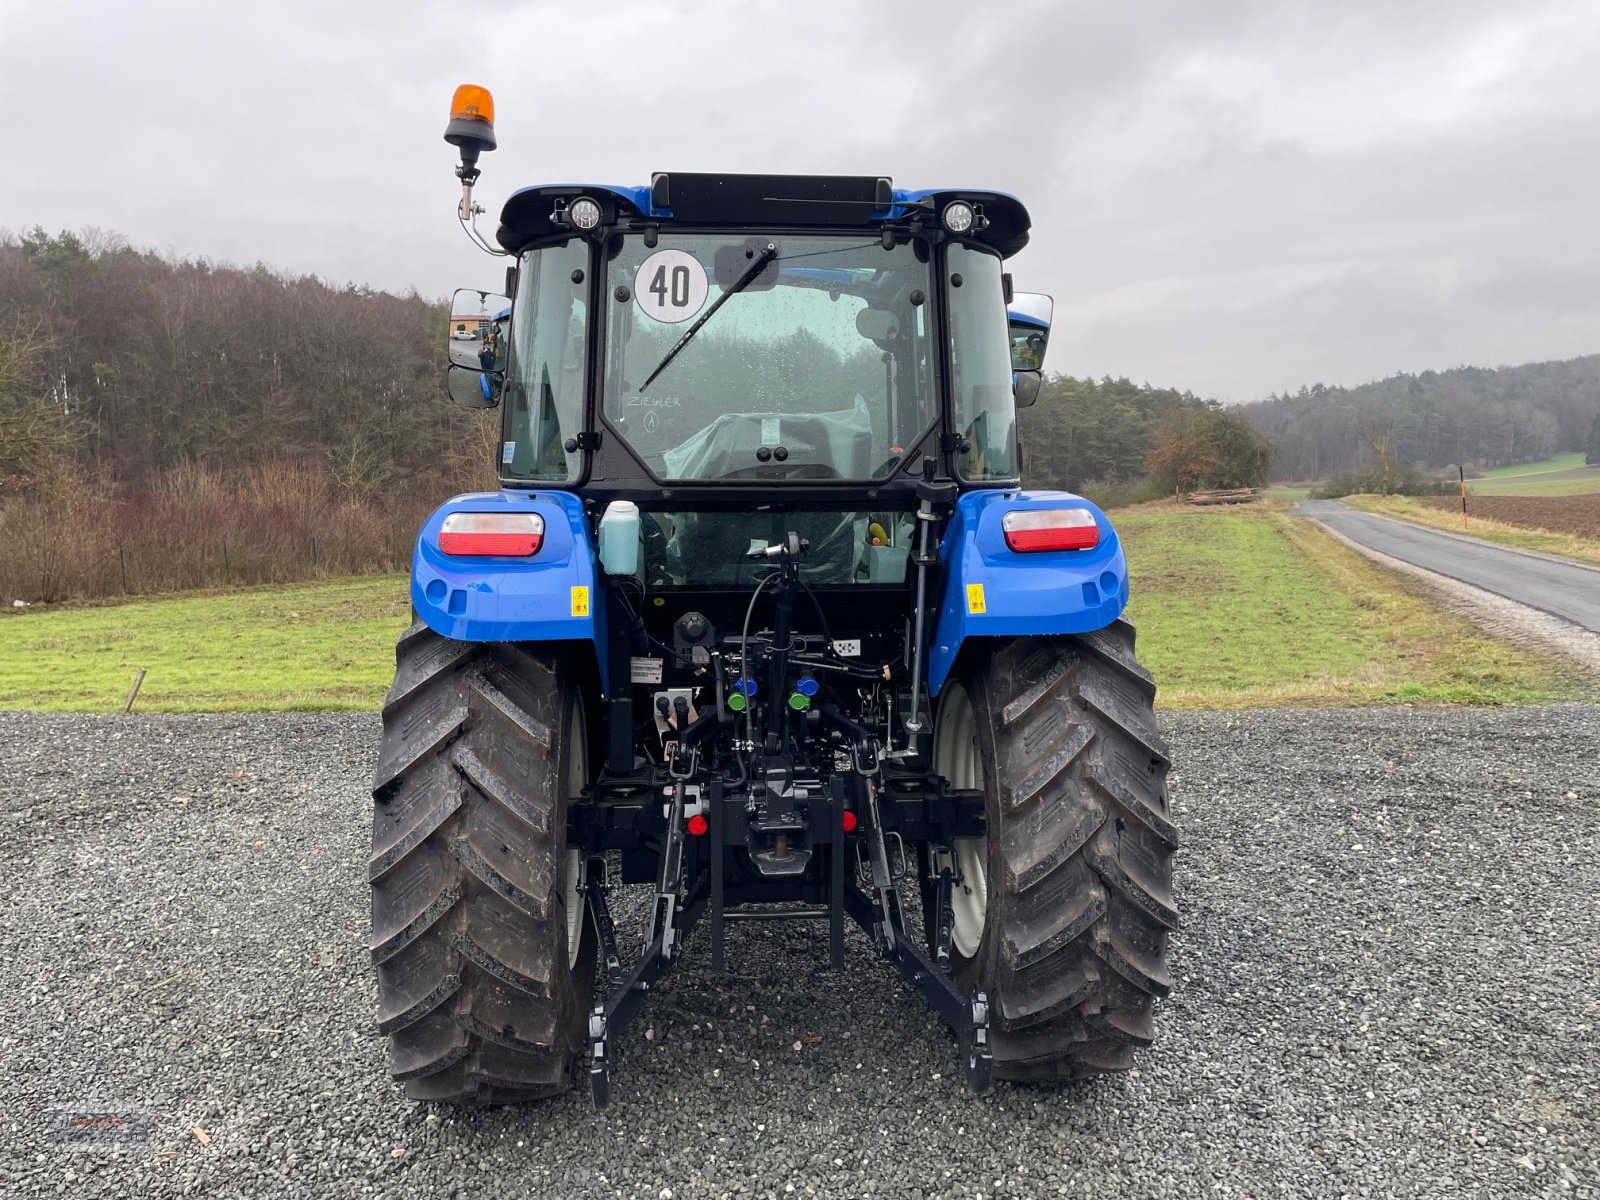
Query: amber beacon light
[
  {"x": 472, "y": 103},
  {"x": 471, "y": 120}
]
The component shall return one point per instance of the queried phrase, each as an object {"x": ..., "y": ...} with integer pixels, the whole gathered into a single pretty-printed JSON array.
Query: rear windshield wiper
[{"x": 755, "y": 268}]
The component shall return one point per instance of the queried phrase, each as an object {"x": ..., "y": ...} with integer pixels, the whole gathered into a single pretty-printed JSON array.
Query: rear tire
[
  {"x": 483, "y": 989},
  {"x": 1074, "y": 903}
]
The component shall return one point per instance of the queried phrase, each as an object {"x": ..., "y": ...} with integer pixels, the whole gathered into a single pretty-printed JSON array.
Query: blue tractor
[{"x": 761, "y": 618}]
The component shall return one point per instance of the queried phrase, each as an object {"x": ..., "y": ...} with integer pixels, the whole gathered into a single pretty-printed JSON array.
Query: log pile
[{"x": 1224, "y": 496}]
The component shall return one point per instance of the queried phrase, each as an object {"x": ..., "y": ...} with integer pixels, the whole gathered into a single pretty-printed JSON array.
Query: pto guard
[
  {"x": 549, "y": 597},
  {"x": 994, "y": 591}
]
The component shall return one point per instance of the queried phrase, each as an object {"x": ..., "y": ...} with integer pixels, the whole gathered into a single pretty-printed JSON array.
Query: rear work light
[
  {"x": 1029, "y": 529},
  {"x": 496, "y": 535}
]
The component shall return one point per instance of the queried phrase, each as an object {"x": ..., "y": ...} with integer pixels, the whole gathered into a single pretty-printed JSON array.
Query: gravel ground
[{"x": 1389, "y": 985}]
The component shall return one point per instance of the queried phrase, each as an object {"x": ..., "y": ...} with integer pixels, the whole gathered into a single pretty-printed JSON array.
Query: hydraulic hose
[{"x": 924, "y": 530}]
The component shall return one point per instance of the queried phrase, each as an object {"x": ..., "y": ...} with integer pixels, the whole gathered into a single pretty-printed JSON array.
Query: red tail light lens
[
  {"x": 496, "y": 535},
  {"x": 1029, "y": 529}
]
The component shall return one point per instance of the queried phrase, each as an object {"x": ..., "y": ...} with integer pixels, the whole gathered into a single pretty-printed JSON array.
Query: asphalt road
[{"x": 1569, "y": 591}]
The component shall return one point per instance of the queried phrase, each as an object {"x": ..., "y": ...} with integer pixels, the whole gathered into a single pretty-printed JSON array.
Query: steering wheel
[{"x": 795, "y": 471}]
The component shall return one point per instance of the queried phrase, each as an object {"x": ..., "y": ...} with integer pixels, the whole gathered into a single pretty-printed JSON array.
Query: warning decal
[{"x": 644, "y": 670}]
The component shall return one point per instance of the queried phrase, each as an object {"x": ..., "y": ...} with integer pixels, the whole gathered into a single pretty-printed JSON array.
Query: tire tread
[
  {"x": 469, "y": 928},
  {"x": 1081, "y": 905}
]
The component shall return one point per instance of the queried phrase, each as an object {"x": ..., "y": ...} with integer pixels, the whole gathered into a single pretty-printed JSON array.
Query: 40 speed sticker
[{"x": 670, "y": 286}]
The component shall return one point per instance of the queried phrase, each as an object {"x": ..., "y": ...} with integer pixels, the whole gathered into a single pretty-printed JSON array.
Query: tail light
[
  {"x": 1029, "y": 529},
  {"x": 496, "y": 535}
]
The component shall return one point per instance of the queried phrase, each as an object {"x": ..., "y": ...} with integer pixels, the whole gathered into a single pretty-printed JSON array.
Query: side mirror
[
  {"x": 477, "y": 334},
  {"x": 473, "y": 388},
  {"x": 877, "y": 325},
  {"x": 1029, "y": 320},
  {"x": 1025, "y": 387}
]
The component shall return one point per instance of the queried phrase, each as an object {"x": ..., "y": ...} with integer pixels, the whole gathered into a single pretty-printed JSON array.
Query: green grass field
[
  {"x": 1235, "y": 609},
  {"x": 309, "y": 646},
  {"x": 1564, "y": 475},
  {"x": 1561, "y": 462}
]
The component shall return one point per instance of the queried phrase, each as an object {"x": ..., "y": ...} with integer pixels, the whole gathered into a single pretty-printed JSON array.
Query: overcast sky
[{"x": 1231, "y": 197}]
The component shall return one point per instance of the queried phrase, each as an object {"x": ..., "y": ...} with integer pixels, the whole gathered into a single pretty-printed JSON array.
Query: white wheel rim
[
  {"x": 574, "y": 909},
  {"x": 577, "y": 774},
  {"x": 956, "y": 757}
]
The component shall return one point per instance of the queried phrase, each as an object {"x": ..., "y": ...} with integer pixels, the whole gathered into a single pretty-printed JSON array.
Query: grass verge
[
  {"x": 1248, "y": 609},
  {"x": 1566, "y": 545},
  {"x": 1288, "y": 491},
  {"x": 300, "y": 647},
  {"x": 1237, "y": 608}
]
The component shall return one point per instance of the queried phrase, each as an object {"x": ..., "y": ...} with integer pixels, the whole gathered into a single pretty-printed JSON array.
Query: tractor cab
[{"x": 723, "y": 342}]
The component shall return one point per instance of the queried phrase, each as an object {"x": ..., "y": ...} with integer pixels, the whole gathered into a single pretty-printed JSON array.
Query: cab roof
[{"x": 822, "y": 201}]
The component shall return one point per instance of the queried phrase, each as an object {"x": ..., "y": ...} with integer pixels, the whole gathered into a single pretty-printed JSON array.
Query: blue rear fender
[
  {"x": 994, "y": 591},
  {"x": 549, "y": 597}
]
